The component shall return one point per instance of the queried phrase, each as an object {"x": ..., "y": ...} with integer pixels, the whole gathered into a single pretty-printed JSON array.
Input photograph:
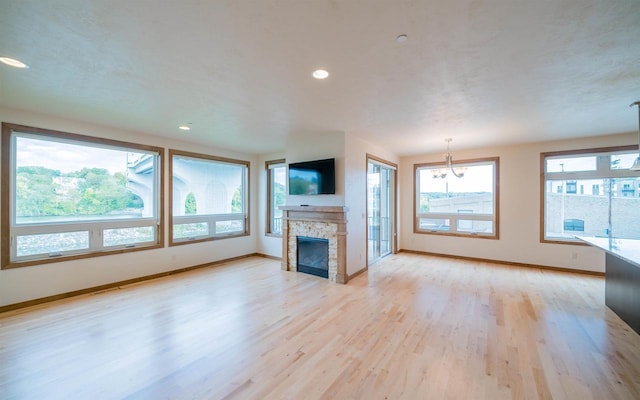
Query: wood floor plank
[{"x": 411, "y": 327}]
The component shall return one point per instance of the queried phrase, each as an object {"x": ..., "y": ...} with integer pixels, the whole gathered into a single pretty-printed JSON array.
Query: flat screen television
[{"x": 312, "y": 177}]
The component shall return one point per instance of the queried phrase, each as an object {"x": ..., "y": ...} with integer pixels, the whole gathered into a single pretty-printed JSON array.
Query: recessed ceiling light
[
  {"x": 320, "y": 74},
  {"x": 402, "y": 38},
  {"x": 13, "y": 62},
  {"x": 185, "y": 127}
]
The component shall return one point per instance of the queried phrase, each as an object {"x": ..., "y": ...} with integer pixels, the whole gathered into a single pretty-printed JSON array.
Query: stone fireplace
[{"x": 320, "y": 222}]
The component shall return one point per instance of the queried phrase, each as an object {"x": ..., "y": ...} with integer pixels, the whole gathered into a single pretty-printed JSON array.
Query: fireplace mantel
[{"x": 326, "y": 222}]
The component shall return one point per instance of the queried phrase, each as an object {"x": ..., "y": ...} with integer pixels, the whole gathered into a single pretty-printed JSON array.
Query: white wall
[
  {"x": 519, "y": 209},
  {"x": 318, "y": 146},
  {"x": 27, "y": 283},
  {"x": 350, "y": 153},
  {"x": 356, "y": 151}
]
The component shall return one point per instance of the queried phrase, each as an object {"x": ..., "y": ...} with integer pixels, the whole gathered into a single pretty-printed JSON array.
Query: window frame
[
  {"x": 269, "y": 167},
  {"x": 599, "y": 172},
  {"x": 94, "y": 228},
  {"x": 454, "y": 217},
  {"x": 210, "y": 219}
]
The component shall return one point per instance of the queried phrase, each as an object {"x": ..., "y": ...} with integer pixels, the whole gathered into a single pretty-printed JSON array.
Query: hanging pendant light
[
  {"x": 636, "y": 163},
  {"x": 448, "y": 158}
]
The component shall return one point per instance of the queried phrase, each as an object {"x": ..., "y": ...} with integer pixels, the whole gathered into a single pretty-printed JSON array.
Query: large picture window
[
  {"x": 461, "y": 206},
  {"x": 276, "y": 195},
  {"x": 209, "y": 197},
  {"x": 70, "y": 196},
  {"x": 590, "y": 193}
]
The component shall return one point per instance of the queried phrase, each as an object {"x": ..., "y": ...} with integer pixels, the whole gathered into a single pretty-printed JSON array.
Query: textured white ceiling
[{"x": 484, "y": 72}]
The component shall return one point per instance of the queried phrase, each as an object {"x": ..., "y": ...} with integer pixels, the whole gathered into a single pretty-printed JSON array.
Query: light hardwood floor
[{"x": 412, "y": 327}]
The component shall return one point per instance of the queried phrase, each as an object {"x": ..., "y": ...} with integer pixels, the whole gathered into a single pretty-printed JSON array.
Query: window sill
[
  {"x": 458, "y": 234},
  {"x": 207, "y": 239},
  {"x": 21, "y": 264}
]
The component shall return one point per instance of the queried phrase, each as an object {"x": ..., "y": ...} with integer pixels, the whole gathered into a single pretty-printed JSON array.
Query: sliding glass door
[{"x": 380, "y": 208}]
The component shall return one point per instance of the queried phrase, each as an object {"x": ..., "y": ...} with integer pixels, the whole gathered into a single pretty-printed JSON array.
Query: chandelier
[{"x": 442, "y": 172}]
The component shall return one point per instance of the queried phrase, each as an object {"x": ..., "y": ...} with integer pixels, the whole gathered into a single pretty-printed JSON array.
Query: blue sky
[{"x": 68, "y": 157}]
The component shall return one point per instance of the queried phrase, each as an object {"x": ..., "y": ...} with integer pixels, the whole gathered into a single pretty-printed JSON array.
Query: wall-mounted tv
[{"x": 312, "y": 177}]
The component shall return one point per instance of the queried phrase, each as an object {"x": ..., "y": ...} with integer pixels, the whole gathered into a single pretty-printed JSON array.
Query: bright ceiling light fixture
[
  {"x": 448, "y": 158},
  {"x": 185, "y": 127},
  {"x": 13, "y": 62},
  {"x": 320, "y": 74},
  {"x": 636, "y": 163}
]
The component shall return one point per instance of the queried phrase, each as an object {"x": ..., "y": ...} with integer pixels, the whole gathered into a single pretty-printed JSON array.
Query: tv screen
[{"x": 312, "y": 177}]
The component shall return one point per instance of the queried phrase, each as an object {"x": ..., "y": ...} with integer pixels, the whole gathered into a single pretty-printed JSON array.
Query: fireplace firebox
[
  {"x": 323, "y": 222},
  {"x": 313, "y": 256}
]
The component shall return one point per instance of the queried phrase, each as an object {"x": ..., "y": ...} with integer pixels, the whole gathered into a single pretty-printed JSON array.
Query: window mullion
[
  {"x": 453, "y": 224},
  {"x": 95, "y": 238},
  {"x": 211, "y": 220}
]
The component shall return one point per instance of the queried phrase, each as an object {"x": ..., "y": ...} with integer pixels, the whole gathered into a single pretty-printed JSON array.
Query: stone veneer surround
[{"x": 324, "y": 222}]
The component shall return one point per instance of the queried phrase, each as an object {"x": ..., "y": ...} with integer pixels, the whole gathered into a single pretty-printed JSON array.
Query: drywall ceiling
[{"x": 483, "y": 72}]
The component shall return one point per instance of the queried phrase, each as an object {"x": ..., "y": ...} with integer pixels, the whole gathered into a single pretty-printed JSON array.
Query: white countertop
[{"x": 626, "y": 249}]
